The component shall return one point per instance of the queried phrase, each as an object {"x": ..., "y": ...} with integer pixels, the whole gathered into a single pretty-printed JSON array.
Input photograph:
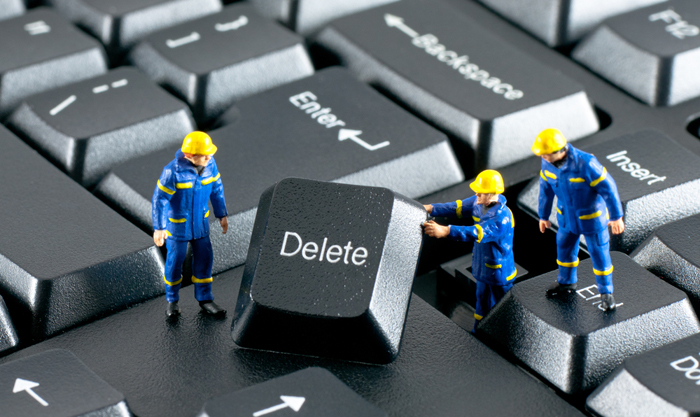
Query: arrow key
[
  {"x": 56, "y": 383},
  {"x": 310, "y": 392}
]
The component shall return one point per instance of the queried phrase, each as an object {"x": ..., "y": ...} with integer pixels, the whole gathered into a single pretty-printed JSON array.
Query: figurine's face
[
  {"x": 485, "y": 199},
  {"x": 553, "y": 157},
  {"x": 199, "y": 160}
]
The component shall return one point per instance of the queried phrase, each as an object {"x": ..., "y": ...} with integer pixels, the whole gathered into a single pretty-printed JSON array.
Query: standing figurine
[
  {"x": 180, "y": 216},
  {"x": 587, "y": 202},
  {"x": 492, "y": 257}
]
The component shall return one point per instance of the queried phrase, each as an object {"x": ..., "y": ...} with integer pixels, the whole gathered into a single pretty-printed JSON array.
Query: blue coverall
[
  {"x": 492, "y": 257},
  {"x": 587, "y": 199},
  {"x": 181, "y": 207}
]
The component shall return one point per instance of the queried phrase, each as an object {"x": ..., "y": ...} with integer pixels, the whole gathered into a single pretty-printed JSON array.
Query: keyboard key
[
  {"x": 66, "y": 257},
  {"x": 8, "y": 335},
  {"x": 571, "y": 341},
  {"x": 441, "y": 370},
  {"x": 673, "y": 254},
  {"x": 327, "y": 127},
  {"x": 312, "y": 392},
  {"x": 560, "y": 22},
  {"x": 662, "y": 382},
  {"x": 120, "y": 25},
  {"x": 352, "y": 269},
  {"x": 205, "y": 61},
  {"x": 651, "y": 171},
  {"x": 107, "y": 119},
  {"x": 56, "y": 383},
  {"x": 11, "y": 8},
  {"x": 465, "y": 80},
  {"x": 40, "y": 51},
  {"x": 656, "y": 52},
  {"x": 308, "y": 16}
]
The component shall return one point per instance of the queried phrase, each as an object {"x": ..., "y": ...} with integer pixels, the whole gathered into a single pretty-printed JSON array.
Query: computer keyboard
[{"x": 412, "y": 95}]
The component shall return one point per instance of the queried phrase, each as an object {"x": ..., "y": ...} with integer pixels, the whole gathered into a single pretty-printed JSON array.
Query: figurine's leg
[
  {"x": 599, "y": 249},
  {"x": 567, "y": 256},
  {"x": 177, "y": 250},
  {"x": 202, "y": 261},
  {"x": 483, "y": 300}
]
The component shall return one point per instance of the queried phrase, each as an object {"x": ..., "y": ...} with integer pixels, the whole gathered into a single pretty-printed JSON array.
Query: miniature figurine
[
  {"x": 587, "y": 202},
  {"x": 492, "y": 257},
  {"x": 180, "y": 216}
]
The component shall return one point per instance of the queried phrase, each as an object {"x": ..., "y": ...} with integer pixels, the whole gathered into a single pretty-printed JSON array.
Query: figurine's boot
[
  {"x": 212, "y": 308},
  {"x": 173, "y": 309},
  {"x": 560, "y": 289},
  {"x": 607, "y": 302}
]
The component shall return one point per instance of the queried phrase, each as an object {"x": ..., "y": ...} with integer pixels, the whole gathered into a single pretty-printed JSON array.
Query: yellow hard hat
[
  {"x": 548, "y": 141},
  {"x": 198, "y": 143},
  {"x": 488, "y": 182}
]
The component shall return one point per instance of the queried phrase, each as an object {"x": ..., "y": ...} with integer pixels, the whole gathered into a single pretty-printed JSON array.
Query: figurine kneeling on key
[{"x": 492, "y": 257}]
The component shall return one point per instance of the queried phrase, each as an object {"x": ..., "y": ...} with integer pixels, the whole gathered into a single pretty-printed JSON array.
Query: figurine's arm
[
  {"x": 605, "y": 186},
  {"x": 454, "y": 209},
  {"x": 546, "y": 200},
  {"x": 165, "y": 189},
  {"x": 218, "y": 201}
]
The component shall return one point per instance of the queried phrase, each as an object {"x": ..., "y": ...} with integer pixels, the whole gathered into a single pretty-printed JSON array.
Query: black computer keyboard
[{"x": 413, "y": 95}]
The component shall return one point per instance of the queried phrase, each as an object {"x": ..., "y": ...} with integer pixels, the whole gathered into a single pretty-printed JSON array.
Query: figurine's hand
[
  {"x": 435, "y": 230},
  {"x": 159, "y": 237},
  {"x": 544, "y": 225},
  {"x": 224, "y": 224},
  {"x": 617, "y": 226},
  {"x": 428, "y": 208}
]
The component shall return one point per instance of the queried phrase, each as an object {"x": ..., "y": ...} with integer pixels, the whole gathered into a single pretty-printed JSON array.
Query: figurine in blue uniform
[
  {"x": 492, "y": 257},
  {"x": 587, "y": 202},
  {"x": 181, "y": 216}
]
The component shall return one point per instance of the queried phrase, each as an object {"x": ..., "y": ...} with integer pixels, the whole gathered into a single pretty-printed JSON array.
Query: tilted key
[
  {"x": 308, "y": 16},
  {"x": 40, "y": 51},
  {"x": 11, "y": 8},
  {"x": 88, "y": 127},
  {"x": 216, "y": 60},
  {"x": 312, "y": 392},
  {"x": 441, "y": 371},
  {"x": 673, "y": 254},
  {"x": 56, "y": 383},
  {"x": 65, "y": 257},
  {"x": 571, "y": 341},
  {"x": 466, "y": 81},
  {"x": 119, "y": 25},
  {"x": 327, "y": 127},
  {"x": 653, "y": 53},
  {"x": 8, "y": 335},
  {"x": 560, "y": 22},
  {"x": 663, "y": 382},
  {"x": 658, "y": 181}
]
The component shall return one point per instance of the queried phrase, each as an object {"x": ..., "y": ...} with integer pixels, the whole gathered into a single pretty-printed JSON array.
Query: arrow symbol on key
[
  {"x": 24, "y": 385},
  {"x": 294, "y": 403},
  {"x": 397, "y": 22},
  {"x": 344, "y": 134}
]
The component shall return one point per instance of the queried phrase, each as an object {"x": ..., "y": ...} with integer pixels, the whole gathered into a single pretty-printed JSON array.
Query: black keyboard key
[
  {"x": 216, "y": 60},
  {"x": 672, "y": 253},
  {"x": 119, "y": 25},
  {"x": 571, "y": 341},
  {"x": 56, "y": 383},
  {"x": 352, "y": 264},
  {"x": 465, "y": 80},
  {"x": 40, "y": 51},
  {"x": 11, "y": 8},
  {"x": 441, "y": 370},
  {"x": 658, "y": 181},
  {"x": 312, "y": 392},
  {"x": 8, "y": 335},
  {"x": 560, "y": 22},
  {"x": 88, "y": 127},
  {"x": 327, "y": 127},
  {"x": 308, "y": 16},
  {"x": 66, "y": 257},
  {"x": 663, "y": 382},
  {"x": 656, "y": 50}
]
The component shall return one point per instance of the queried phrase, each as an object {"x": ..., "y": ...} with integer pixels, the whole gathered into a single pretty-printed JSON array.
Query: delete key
[{"x": 329, "y": 271}]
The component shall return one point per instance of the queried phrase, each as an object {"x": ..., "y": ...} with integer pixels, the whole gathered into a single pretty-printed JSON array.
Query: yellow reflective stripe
[
  {"x": 177, "y": 220},
  {"x": 543, "y": 177},
  {"x": 577, "y": 180},
  {"x": 202, "y": 281},
  {"x": 600, "y": 273},
  {"x": 476, "y": 219},
  {"x": 512, "y": 219},
  {"x": 481, "y": 233},
  {"x": 459, "y": 208},
  {"x": 559, "y": 211},
  {"x": 602, "y": 177},
  {"x": 550, "y": 175},
  {"x": 165, "y": 189},
  {"x": 181, "y": 185},
  {"x": 511, "y": 276},
  {"x": 168, "y": 233},
  {"x": 607, "y": 214},
  {"x": 590, "y": 216},
  {"x": 478, "y": 317},
  {"x": 206, "y": 214},
  {"x": 211, "y": 179},
  {"x": 172, "y": 283},
  {"x": 493, "y": 266},
  {"x": 568, "y": 264}
]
